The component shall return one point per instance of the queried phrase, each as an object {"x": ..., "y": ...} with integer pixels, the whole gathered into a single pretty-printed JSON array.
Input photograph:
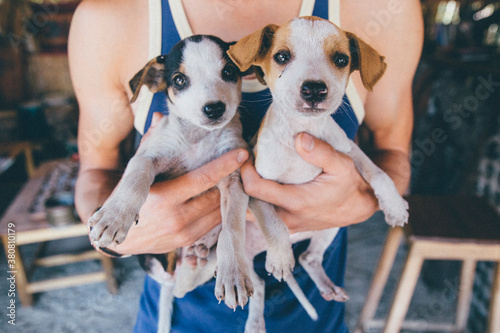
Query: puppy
[
  {"x": 306, "y": 64},
  {"x": 203, "y": 87}
]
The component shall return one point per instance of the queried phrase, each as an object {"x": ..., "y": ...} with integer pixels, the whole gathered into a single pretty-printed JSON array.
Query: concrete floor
[{"x": 92, "y": 309}]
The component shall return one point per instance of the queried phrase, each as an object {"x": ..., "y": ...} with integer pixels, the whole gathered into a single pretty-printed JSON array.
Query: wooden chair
[
  {"x": 464, "y": 228},
  {"x": 14, "y": 149}
]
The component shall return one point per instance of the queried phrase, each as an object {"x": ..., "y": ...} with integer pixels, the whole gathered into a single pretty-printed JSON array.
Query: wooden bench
[{"x": 18, "y": 226}]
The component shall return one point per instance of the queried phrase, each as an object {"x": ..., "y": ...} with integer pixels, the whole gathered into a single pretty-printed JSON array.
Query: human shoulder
[
  {"x": 112, "y": 35},
  {"x": 392, "y": 27},
  {"x": 110, "y": 10}
]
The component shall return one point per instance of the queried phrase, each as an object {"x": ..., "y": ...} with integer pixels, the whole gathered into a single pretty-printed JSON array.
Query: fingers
[
  {"x": 319, "y": 153},
  {"x": 209, "y": 175},
  {"x": 264, "y": 189},
  {"x": 154, "y": 121},
  {"x": 199, "y": 206},
  {"x": 198, "y": 228}
]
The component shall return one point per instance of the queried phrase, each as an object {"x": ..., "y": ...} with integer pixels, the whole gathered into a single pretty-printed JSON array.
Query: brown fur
[
  {"x": 153, "y": 69},
  {"x": 255, "y": 48},
  {"x": 370, "y": 64}
]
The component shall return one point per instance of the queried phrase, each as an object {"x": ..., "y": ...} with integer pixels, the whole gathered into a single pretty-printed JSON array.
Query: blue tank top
[{"x": 199, "y": 311}]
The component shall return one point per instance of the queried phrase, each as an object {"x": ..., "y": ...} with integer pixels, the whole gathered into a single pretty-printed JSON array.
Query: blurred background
[{"x": 456, "y": 150}]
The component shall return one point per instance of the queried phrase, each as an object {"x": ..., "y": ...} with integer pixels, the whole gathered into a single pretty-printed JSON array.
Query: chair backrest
[
  {"x": 488, "y": 186},
  {"x": 488, "y": 180}
]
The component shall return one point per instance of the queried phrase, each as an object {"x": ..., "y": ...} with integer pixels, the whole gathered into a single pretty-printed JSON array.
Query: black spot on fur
[
  {"x": 224, "y": 46},
  {"x": 145, "y": 261},
  {"x": 353, "y": 48},
  {"x": 173, "y": 61},
  {"x": 161, "y": 59},
  {"x": 196, "y": 38}
]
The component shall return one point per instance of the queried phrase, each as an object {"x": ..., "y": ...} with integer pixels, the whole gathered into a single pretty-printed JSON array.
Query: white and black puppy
[
  {"x": 203, "y": 87},
  {"x": 307, "y": 64}
]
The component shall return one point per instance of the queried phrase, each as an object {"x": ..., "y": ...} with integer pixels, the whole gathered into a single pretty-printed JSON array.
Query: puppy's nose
[
  {"x": 313, "y": 91},
  {"x": 214, "y": 110}
]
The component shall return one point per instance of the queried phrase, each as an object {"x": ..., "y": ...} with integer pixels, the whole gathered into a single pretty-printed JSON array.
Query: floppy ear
[
  {"x": 259, "y": 73},
  {"x": 364, "y": 58},
  {"x": 248, "y": 50},
  {"x": 152, "y": 75}
]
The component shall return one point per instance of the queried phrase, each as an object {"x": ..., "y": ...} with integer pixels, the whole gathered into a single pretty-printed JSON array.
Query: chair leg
[
  {"x": 494, "y": 316},
  {"x": 380, "y": 278},
  {"x": 404, "y": 291},
  {"x": 22, "y": 284},
  {"x": 107, "y": 265},
  {"x": 30, "y": 164},
  {"x": 465, "y": 293}
]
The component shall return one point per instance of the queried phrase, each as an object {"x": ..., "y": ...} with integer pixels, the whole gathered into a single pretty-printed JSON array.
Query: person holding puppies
[{"x": 110, "y": 41}]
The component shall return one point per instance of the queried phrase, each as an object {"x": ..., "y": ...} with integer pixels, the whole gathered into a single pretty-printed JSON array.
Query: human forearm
[
  {"x": 397, "y": 165},
  {"x": 93, "y": 187},
  {"x": 176, "y": 213}
]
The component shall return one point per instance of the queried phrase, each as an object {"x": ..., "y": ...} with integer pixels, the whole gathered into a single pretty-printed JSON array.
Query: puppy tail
[
  {"x": 165, "y": 307},
  {"x": 297, "y": 291}
]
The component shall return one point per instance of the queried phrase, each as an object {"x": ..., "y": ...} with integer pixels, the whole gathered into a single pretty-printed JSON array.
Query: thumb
[
  {"x": 156, "y": 119},
  {"x": 317, "y": 152},
  {"x": 210, "y": 174}
]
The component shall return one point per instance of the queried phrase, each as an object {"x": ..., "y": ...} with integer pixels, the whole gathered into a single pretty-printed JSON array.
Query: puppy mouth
[
  {"x": 215, "y": 123},
  {"x": 312, "y": 108}
]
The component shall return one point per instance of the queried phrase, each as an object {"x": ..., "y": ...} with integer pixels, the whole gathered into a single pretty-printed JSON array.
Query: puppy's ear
[
  {"x": 250, "y": 49},
  {"x": 364, "y": 58},
  {"x": 152, "y": 75},
  {"x": 257, "y": 71}
]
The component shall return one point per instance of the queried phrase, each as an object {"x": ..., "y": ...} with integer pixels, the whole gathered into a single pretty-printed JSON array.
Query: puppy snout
[
  {"x": 313, "y": 92},
  {"x": 214, "y": 110}
]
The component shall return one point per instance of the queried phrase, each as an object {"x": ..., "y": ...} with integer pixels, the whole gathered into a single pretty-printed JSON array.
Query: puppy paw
[
  {"x": 395, "y": 208},
  {"x": 334, "y": 293},
  {"x": 195, "y": 254},
  {"x": 111, "y": 224},
  {"x": 395, "y": 211},
  {"x": 280, "y": 261},
  {"x": 233, "y": 286}
]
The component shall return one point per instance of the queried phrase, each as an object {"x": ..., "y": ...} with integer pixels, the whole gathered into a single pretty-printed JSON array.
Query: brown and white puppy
[{"x": 306, "y": 64}]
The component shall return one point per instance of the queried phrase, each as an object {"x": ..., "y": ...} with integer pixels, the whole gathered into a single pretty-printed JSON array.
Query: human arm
[
  {"x": 103, "y": 57},
  {"x": 340, "y": 196}
]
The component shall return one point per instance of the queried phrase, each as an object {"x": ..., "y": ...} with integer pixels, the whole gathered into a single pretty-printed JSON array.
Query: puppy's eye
[
  {"x": 282, "y": 57},
  {"x": 230, "y": 73},
  {"x": 180, "y": 81},
  {"x": 340, "y": 60}
]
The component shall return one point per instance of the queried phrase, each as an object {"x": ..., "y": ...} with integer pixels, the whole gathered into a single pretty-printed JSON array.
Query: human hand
[
  {"x": 179, "y": 211},
  {"x": 337, "y": 197}
]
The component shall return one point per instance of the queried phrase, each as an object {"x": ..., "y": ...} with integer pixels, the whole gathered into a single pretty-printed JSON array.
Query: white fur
[
  {"x": 205, "y": 87},
  {"x": 183, "y": 141},
  {"x": 309, "y": 63},
  {"x": 277, "y": 158}
]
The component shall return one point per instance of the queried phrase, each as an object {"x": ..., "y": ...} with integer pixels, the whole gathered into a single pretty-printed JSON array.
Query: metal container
[{"x": 60, "y": 209}]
